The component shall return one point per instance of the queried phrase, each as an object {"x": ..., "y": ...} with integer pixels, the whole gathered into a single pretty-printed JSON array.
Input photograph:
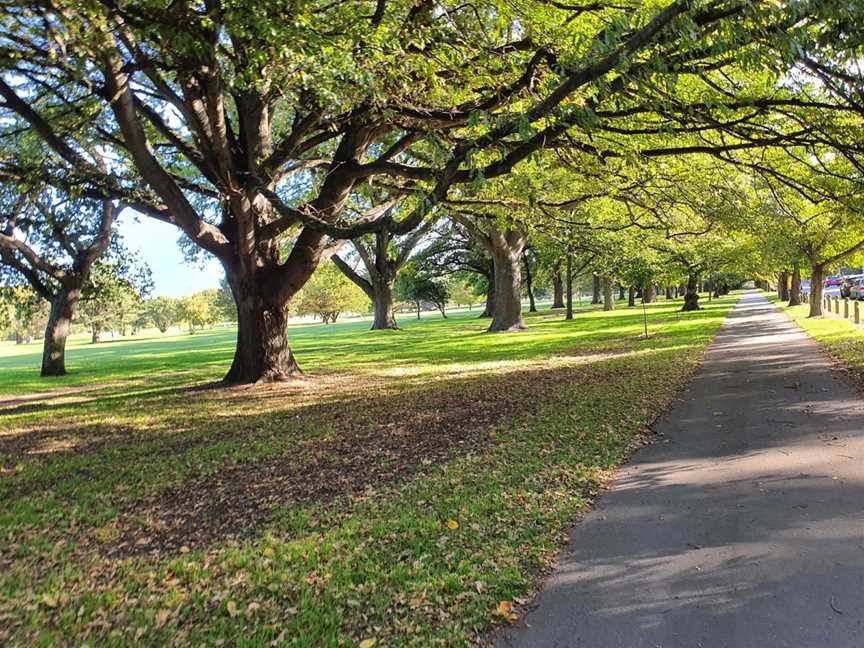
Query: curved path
[{"x": 743, "y": 526}]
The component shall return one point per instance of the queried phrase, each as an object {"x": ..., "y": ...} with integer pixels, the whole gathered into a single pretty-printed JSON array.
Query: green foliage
[
  {"x": 197, "y": 309},
  {"x": 162, "y": 312},
  {"x": 113, "y": 297},
  {"x": 23, "y": 313},
  {"x": 329, "y": 293},
  {"x": 419, "y": 287},
  {"x": 463, "y": 293},
  {"x": 224, "y": 302}
]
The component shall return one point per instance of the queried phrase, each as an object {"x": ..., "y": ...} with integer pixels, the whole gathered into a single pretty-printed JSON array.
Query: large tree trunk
[
  {"x": 382, "y": 303},
  {"x": 783, "y": 285},
  {"x": 816, "y": 274},
  {"x": 532, "y": 307},
  {"x": 595, "y": 289},
  {"x": 631, "y": 296},
  {"x": 507, "y": 313},
  {"x": 378, "y": 287},
  {"x": 691, "y": 294},
  {"x": 795, "y": 290},
  {"x": 60, "y": 319},
  {"x": 262, "y": 353},
  {"x": 649, "y": 293},
  {"x": 608, "y": 294},
  {"x": 557, "y": 288}
]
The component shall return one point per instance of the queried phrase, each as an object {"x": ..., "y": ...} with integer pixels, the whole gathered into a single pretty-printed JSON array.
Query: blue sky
[{"x": 157, "y": 244}]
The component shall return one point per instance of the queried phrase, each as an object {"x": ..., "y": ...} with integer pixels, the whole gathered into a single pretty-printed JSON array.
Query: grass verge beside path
[
  {"x": 840, "y": 337},
  {"x": 409, "y": 492}
]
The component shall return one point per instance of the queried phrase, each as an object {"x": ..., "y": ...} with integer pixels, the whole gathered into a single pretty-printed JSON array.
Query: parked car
[
  {"x": 848, "y": 282},
  {"x": 836, "y": 280},
  {"x": 856, "y": 289}
]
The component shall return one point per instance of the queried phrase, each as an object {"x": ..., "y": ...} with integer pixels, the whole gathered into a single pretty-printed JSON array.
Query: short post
[
  {"x": 845, "y": 309},
  {"x": 837, "y": 305},
  {"x": 857, "y": 313}
]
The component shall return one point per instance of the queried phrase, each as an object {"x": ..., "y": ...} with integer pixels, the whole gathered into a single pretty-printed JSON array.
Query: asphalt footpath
[{"x": 742, "y": 526}]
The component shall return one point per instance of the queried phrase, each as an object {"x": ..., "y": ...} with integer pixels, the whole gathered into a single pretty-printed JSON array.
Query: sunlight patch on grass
[{"x": 414, "y": 481}]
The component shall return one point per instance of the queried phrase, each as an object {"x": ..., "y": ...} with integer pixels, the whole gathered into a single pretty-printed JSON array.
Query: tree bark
[
  {"x": 608, "y": 294},
  {"x": 817, "y": 273},
  {"x": 631, "y": 296},
  {"x": 669, "y": 294},
  {"x": 557, "y": 287},
  {"x": 532, "y": 307},
  {"x": 262, "y": 353},
  {"x": 569, "y": 281},
  {"x": 621, "y": 291},
  {"x": 382, "y": 303},
  {"x": 489, "y": 308},
  {"x": 378, "y": 287},
  {"x": 649, "y": 293},
  {"x": 59, "y": 321},
  {"x": 795, "y": 290},
  {"x": 506, "y": 247},
  {"x": 783, "y": 285},
  {"x": 691, "y": 294},
  {"x": 595, "y": 290}
]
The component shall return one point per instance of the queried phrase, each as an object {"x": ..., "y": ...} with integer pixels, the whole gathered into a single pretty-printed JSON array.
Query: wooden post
[
  {"x": 837, "y": 305},
  {"x": 857, "y": 313},
  {"x": 845, "y": 309}
]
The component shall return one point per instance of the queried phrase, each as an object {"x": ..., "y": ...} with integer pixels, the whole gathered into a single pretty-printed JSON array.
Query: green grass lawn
[
  {"x": 409, "y": 491},
  {"x": 840, "y": 337}
]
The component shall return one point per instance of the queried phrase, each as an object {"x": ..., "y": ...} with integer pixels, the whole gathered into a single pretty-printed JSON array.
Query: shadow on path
[{"x": 742, "y": 527}]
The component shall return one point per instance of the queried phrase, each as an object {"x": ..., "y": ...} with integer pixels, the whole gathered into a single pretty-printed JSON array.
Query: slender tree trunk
[
  {"x": 382, "y": 303},
  {"x": 608, "y": 294},
  {"x": 631, "y": 296},
  {"x": 817, "y": 272},
  {"x": 620, "y": 291},
  {"x": 595, "y": 292},
  {"x": 507, "y": 315},
  {"x": 532, "y": 307},
  {"x": 783, "y": 285},
  {"x": 691, "y": 294},
  {"x": 795, "y": 290},
  {"x": 442, "y": 308},
  {"x": 557, "y": 288},
  {"x": 95, "y": 335},
  {"x": 489, "y": 308},
  {"x": 59, "y": 321},
  {"x": 569, "y": 282},
  {"x": 418, "y": 310}
]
